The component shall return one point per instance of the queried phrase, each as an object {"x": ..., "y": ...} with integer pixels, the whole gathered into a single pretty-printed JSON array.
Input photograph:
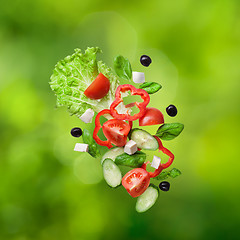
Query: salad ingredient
[
  {"x": 73, "y": 75},
  {"x": 76, "y": 132},
  {"x": 174, "y": 173},
  {"x": 130, "y": 148},
  {"x": 169, "y": 131},
  {"x": 163, "y": 165},
  {"x": 87, "y": 116},
  {"x": 98, "y": 126},
  {"x": 93, "y": 147},
  {"x": 143, "y": 139},
  {"x": 135, "y": 160},
  {"x": 112, "y": 153},
  {"x": 147, "y": 199},
  {"x": 150, "y": 87},
  {"x": 164, "y": 186},
  {"x": 81, "y": 147},
  {"x": 138, "y": 77},
  {"x": 123, "y": 67},
  {"x": 136, "y": 181},
  {"x": 171, "y": 110},
  {"x": 111, "y": 173},
  {"x": 145, "y": 60},
  {"x": 165, "y": 174},
  {"x": 152, "y": 116},
  {"x": 156, "y": 162},
  {"x": 118, "y": 100},
  {"x": 98, "y": 88},
  {"x": 116, "y": 131}
]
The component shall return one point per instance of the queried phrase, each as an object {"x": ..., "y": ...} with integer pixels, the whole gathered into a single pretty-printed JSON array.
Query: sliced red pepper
[
  {"x": 98, "y": 126},
  {"x": 118, "y": 99},
  {"x": 162, "y": 165}
]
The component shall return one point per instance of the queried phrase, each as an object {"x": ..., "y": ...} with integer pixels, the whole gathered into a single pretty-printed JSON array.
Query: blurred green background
[{"x": 48, "y": 191}]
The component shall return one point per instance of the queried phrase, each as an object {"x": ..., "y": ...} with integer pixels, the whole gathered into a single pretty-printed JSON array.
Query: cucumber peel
[
  {"x": 111, "y": 173},
  {"x": 143, "y": 139},
  {"x": 147, "y": 199}
]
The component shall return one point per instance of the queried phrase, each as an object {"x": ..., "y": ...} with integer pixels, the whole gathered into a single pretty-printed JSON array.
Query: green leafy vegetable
[
  {"x": 175, "y": 173},
  {"x": 72, "y": 76},
  {"x": 150, "y": 87},
  {"x": 93, "y": 147},
  {"x": 135, "y": 160},
  {"x": 169, "y": 131},
  {"x": 172, "y": 173},
  {"x": 122, "y": 67}
]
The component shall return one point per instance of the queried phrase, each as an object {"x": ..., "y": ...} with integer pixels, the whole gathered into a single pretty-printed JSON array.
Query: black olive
[
  {"x": 76, "y": 132},
  {"x": 145, "y": 60},
  {"x": 164, "y": 186},
  {"x": 171, "y": 110}
]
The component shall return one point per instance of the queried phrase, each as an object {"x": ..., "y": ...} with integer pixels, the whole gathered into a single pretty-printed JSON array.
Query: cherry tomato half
[
  {"x": 98, "y": 88},
  {"x": 136, "y": 181},
  {"x": 116, "y": 131},
  {"x": 152, "y": 116}
]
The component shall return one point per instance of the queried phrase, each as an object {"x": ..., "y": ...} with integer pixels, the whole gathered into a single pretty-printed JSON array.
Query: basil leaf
[
  {"x": 135, "y": 160},
  {"x": 169, "y": 131},
  {"x": 172, "y": 173},
  {"x": 175, "y": 173},
  {"x": 151, "y": 87},
  {"x": 93, "y": 149},
  {"x": 122, "y": 67},
  {"x": 162, "y": 176}
]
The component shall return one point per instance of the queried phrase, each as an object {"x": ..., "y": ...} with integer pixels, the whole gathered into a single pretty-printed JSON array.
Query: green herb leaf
[
  {"x": 135, "y": 160},
  {"x": 72, "y": 76},
  {"x": 93, "y": 147},
  {"x": 169, "y": 131},
  {"x": 163, "y": 175},
  {"x": 123, "y": 67},
  {"x": 172, "y": 173},
  {"x": 175, "y": 173},
  {"x": 151, "y": 87}
]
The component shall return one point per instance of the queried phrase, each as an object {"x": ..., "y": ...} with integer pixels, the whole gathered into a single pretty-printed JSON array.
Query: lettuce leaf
[{"x": 74, "y": 74}]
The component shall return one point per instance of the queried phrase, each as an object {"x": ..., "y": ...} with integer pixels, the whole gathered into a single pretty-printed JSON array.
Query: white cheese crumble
[
  {"x": 130, "y": 148},
  {"x": 87, "y": 116},
  {"x": 156, "y": 162},
  {"x": 138, "y": 77},
  {"x": 81, "y": 147}
]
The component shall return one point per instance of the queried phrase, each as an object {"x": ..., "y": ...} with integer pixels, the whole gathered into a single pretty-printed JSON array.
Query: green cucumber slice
[
  {"x": 111, "y": 173},
  {"x": 147, "y": 199},
  {"x": 113, "y": 153},
  {"x": 143, "y": 139}
]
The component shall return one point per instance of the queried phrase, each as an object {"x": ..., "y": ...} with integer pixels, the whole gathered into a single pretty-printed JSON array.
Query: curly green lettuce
[{"x": 74, "y": 74}]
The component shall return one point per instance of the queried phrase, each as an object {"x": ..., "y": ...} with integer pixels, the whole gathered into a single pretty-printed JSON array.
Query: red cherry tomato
[
  {"x": 98, "y": 88},
  {"x": 152, "y": 117},
  {"x": 136, "y": 181},
  {"x": 116, "y": 131}
]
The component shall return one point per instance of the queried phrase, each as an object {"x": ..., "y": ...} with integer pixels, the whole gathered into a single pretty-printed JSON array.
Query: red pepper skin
[
  {"x": 118, "y": 99},
  {"x": 98, "y": 126},
  {"x": 162, "y": 165}
]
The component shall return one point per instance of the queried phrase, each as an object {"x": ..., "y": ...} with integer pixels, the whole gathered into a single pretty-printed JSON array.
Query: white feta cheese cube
[
  {"x": 138, "y": 77},
  {"x": 130, "y": 148},
  {"x": 156, "y": 162},
  {"x": 81, "y": 147},
  {"x": 87, "y": 116}
]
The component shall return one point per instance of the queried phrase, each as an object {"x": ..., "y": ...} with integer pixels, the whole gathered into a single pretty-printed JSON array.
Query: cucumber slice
[
  {"x": 111, "y": 173},
  {"x": 113, "y": 153},
  {"x": 147, "y": 199},
  {"x": 144, "y": 139}
]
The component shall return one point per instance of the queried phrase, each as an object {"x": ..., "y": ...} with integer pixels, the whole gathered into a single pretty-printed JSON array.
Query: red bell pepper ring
[
  {"x": 98, "y": 126},
  {"x": 162, "y": 165},
  {"x": 141, "y": 105}
]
